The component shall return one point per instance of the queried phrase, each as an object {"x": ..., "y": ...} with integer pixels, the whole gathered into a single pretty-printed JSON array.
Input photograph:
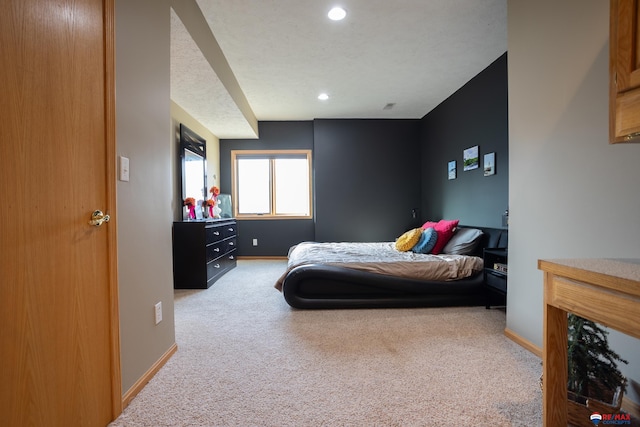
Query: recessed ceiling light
[
  {"x": 323, "y": 97},
  {"x": 337, "y": 13}
]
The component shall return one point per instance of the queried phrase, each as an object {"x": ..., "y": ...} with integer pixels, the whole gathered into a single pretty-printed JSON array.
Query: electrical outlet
[
  {"x": 158, "y": 307},
  {"x": 255, "y": 242}
]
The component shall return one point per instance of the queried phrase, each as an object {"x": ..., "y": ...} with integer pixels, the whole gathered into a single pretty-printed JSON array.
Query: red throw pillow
[{"x": 445, "y": 229}]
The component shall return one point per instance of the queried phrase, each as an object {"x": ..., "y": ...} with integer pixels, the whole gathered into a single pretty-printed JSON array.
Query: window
[{"x": 271, "y": 184}]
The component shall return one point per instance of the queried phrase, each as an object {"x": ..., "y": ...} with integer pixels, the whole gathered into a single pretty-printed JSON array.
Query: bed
[{"x": 377, "y": 275}]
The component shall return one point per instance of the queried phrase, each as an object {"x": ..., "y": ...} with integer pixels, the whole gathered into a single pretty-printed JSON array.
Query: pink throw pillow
[{"x": 445, "y": 229}]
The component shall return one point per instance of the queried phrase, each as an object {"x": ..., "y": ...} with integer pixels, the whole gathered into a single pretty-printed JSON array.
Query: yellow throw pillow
[{"x": 408, "y": 240}]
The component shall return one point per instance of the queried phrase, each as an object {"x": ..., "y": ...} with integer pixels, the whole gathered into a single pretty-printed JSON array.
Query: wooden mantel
[{"x": 606, "y": 291}]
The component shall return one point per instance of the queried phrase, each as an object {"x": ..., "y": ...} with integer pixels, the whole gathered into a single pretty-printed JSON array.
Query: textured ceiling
[{"x": 283, "y": 53}]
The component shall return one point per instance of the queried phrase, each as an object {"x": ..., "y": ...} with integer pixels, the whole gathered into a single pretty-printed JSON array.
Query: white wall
[
  {"x": 144, "y": 203},
  {"x": 571, "y": 194}
]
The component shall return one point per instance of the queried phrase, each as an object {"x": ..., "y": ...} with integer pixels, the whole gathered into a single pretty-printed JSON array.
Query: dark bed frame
[{"x": 318, "y": 286}]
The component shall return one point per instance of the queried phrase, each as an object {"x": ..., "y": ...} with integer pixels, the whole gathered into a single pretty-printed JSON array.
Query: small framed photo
[
  {"x": 470, "y": 158},
  {"x": 451, "y": 169},
  {"x": 489, "y": 164}
]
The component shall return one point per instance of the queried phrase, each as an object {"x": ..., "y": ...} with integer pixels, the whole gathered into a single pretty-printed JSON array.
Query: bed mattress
[{"x": 382, "y": 258}]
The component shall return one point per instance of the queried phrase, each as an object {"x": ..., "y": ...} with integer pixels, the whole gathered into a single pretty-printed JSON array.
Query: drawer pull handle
[
  {"x": 230, "y": 256},
  {"x": 231, "y": 229},
  {"x": 231, "y": 243},
  {"x": 216, "y": 266},
  {"x": 216, "y": 249},
  {"x": 217, "y": 233}
]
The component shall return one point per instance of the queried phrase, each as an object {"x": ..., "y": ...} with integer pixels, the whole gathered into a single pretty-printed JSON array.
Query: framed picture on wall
[
  {"x": 451, "y": 169},
  {"x": 489, "y": 164},
  {"x": 470, "y": 158}
]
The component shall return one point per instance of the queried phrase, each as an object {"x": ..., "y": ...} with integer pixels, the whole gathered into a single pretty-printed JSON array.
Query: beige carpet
[{"x": 245, "y": 358}]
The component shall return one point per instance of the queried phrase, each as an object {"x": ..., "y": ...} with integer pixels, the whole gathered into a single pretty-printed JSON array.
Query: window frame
[{"x": 272, "y": 155}]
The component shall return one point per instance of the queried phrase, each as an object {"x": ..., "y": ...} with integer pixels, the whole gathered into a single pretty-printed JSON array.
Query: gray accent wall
[
  {"x": 366, "y": 182},
  {"x": 367, "y": 179},
  {"x": 571, "y": 193},
  {"x": 477, "y": 114}
]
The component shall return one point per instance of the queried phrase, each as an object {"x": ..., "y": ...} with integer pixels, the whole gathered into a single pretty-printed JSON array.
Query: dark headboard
[{"x": 492, "y": 238}]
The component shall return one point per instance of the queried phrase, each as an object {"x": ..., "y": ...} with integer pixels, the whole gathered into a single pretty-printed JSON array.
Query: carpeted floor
[{"x": 245, "y": 358}]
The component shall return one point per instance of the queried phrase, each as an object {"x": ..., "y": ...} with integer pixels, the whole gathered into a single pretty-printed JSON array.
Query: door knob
[{"x": 98, "y": 218}]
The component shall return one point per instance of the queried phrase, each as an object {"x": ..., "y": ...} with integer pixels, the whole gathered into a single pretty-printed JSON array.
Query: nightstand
[{"x": 495, "y": 275}]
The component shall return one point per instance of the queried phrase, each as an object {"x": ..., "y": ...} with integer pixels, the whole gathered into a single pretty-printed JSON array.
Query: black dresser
[{"x": 203, "y": 251}]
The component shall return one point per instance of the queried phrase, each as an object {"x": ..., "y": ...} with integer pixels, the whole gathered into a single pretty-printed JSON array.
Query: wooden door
[
  {"x": 624, "y": 71},
  {"x": 59, "y": 342}
]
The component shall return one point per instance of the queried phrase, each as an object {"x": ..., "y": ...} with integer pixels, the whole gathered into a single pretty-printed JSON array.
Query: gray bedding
[{"x": 383, "y": 258}]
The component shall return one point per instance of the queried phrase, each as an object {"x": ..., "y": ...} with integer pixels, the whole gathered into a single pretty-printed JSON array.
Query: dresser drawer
[
  {"x": 228, "y": 230},
  {"x": 230, "y": 260},
  {"x": 221, "y": 265},
  {"x": 229, "y": 244},
  {"x": 213, "y": 234},
  {"x": 215, "y": 250},
  {"x": 215, "y": 267}
]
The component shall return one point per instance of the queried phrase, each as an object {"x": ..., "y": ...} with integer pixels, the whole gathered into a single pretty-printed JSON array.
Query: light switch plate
[
  {"x": 124, "y": 168},
  {"x": 158, "y": 312}
]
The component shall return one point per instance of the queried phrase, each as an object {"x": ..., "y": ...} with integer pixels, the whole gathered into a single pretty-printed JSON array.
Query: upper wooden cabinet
[{"x": 624, "y": 72}]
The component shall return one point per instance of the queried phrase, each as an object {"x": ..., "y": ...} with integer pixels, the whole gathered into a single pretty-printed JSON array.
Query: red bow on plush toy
[
  {"x": 210, "y": 203},
  {"x": 215, "y": 191},
  {"x": 190, "y": 202}
]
